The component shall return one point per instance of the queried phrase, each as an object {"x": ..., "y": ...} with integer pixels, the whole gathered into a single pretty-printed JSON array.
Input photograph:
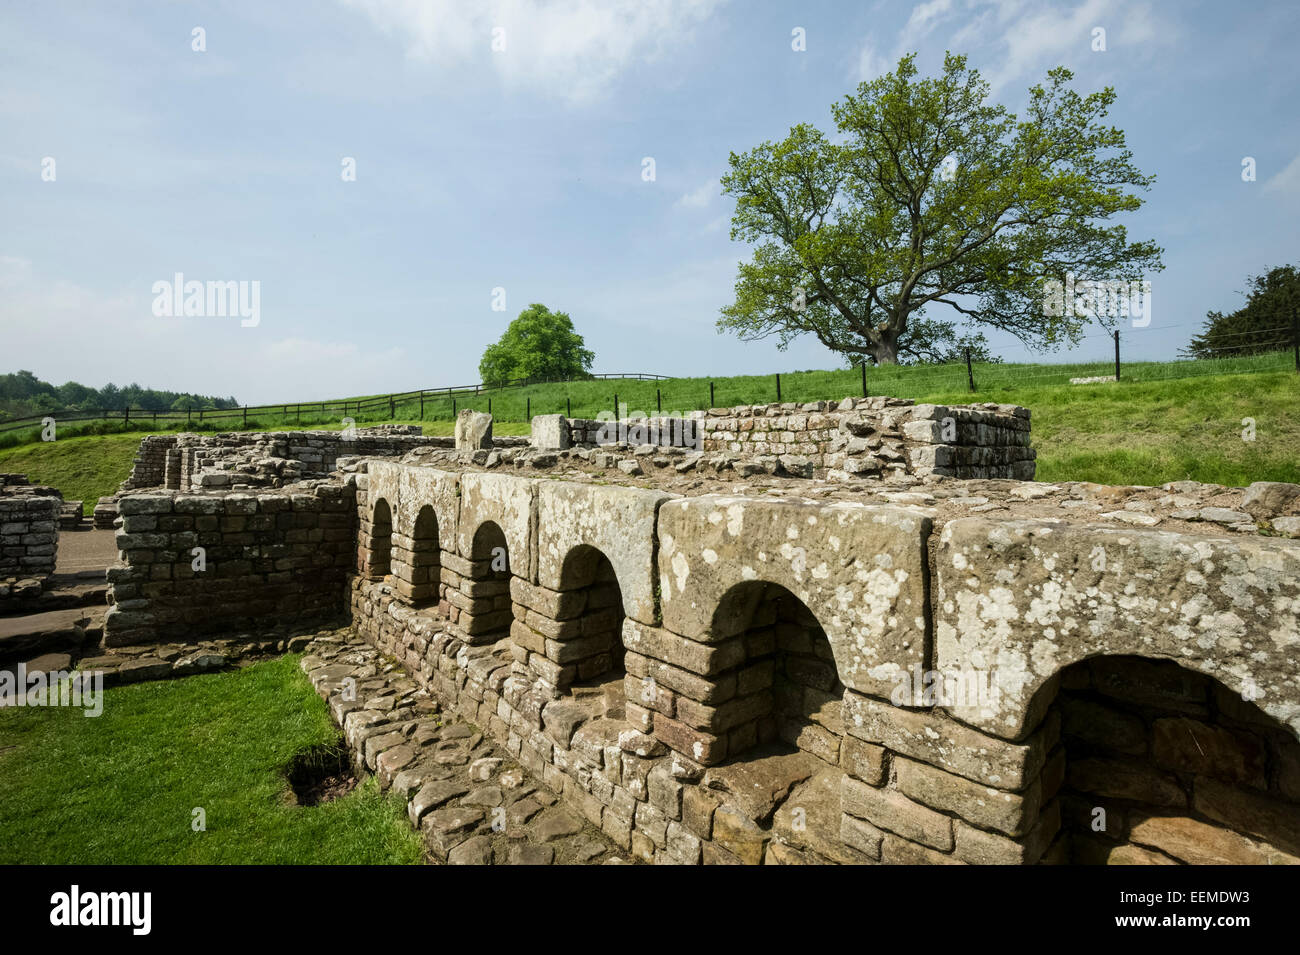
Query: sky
[{"x": 499, "y": 150}]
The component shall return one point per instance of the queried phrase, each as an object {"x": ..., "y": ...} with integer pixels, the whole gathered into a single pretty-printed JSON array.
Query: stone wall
[
  {"x": 29, "y": 532},
  {"x": 267, "y": 559},
  {"x": 923, "y": 670},
  {"x": 811, "y": 681},
  {"x": 150, "y": 466},
  {"x": 262, "y": 459},
  {"x": 855, "y": 437}
]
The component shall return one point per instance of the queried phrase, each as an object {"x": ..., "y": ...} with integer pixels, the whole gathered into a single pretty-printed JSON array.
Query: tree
[
  {"x": 932, "y": 196},
  {"x": 538, "y": 344},
  {"x": 1264, "y": 323}
]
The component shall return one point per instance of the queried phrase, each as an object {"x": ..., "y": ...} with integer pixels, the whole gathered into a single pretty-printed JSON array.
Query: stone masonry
[
  {"x": 29, "y": 534},
  {"x": 910, "y": 668}
]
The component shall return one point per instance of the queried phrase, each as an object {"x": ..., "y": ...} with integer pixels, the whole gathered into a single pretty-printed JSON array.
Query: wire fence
[{"x": 633, "y": 394}]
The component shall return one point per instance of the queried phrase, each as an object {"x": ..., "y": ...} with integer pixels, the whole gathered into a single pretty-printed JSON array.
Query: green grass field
[
  {"x": 121, "y": 788},
  {"x": 1164, "y": 421}
]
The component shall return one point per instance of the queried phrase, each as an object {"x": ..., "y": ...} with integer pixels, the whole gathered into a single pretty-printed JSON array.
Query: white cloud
[
  {"x": 570, "y": 49},
  {"x": 701, "y": 197},
  {"x": 1022, "y": 39},
  {"x": 1287, "y": 181}
]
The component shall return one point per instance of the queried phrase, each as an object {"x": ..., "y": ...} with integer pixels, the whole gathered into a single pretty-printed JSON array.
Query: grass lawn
[
  {"x": 1151, "y": 427},
  {"x": 84, "y": 469},
  {"x": 120, "y": 788}
]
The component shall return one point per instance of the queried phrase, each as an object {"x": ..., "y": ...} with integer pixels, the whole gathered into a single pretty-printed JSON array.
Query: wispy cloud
[
  {"x": 1286, "y": 182},
  {"x": 1023, "y": 38},
  {"x": 572, "y": 50},
  {"x": 700, "y": 197}
]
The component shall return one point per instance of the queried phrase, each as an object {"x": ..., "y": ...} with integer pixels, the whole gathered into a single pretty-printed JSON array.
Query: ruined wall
[
  {"x": 790, "y": 682},
  {"x": 856, "y": 437},
  {"x": 893, "y": 671},
  {"x": 262, "y": 459},
  {"x": 272, "y": 558},
  {"x": 29, "y": 532}
]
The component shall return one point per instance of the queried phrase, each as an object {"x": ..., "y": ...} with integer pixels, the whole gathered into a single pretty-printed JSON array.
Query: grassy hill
[{"x": 1165, "y": 421}]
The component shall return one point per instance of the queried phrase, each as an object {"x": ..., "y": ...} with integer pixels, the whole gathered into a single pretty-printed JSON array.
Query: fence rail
[
  {"x": 671, "y": 395},
  {"x": 342, "y": 407}
]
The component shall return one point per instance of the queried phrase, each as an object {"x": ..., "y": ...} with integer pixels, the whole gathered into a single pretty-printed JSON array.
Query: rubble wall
[{"x": 864, "y": 437}]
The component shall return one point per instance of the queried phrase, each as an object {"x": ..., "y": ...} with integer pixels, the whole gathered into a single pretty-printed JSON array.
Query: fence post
[
  {"x": 864, "y": 377},
  {"x": 528, "y": 408},
  {"x": 489, "y": 404},
  {"x": 1117, "y": 354},
  {"x": 453, "y": 407},
  {"x": 616, "y": 406},
  {"x": 778, "y": 386},
  {"x": 1295, "y": 336},
  {"x": 970, "y": 374},
  {"x": 659, "y": 401},
  {"x": 392, "y": 408},
  {"x": 422, "y": 406},
  {"x": 245, "y": 416},
  {"x": 126, "y": 415},
  {"x": 711, "y": 404},
  {"x": 568, "y": 407}
]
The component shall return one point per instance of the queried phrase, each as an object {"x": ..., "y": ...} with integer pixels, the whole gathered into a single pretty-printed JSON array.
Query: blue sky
[{"x": 521, "y": 169}]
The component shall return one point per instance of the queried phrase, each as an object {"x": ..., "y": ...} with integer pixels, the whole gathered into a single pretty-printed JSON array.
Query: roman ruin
[{"x": 838, "y": 632}]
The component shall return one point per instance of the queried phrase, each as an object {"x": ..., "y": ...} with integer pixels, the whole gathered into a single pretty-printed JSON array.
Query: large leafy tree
[
  {"x": 1264, "y": 323},
  {"x": 933, "y": 196},
  {"x": 539, "y": 344}
]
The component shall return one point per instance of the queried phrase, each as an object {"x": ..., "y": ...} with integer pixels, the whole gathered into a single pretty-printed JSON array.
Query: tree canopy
[
  {"x": 22, "y": 394},
  {"x": 1263, "y": 324},
  {"x": 539, "y": 344},
  {"x": 932, "y": 196}
]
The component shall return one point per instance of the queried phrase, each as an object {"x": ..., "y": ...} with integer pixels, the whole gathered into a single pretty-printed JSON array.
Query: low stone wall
[
  {"x": 29, "y": 532},
  {"x": 262, "y": 459},
  {"x": 855, "y": 437},
  {"x": 210, "y": 562}
]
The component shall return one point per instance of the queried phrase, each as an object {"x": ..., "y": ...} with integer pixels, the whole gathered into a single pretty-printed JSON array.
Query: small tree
[
  {"x": 932, "y": 197},
  {"x": 1264, "y": 323},
  {"x": 539, "y": 344}
]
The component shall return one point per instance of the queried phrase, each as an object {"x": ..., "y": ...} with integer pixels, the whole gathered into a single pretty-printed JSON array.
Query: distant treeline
[{"x": 24, "y": 394}]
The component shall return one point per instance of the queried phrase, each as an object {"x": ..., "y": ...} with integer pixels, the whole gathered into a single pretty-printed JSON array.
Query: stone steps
[
  {"x": 61, "y": 592},
  {"x": 33, "y": 635}
]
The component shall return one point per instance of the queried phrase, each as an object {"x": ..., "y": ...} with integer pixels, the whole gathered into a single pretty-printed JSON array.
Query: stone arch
[
  {"x": 480, "y": 605},
  {"x": 590, "y": 614},
  {"x": 784, "y": 686},
  {"x": 423, "y": 557},
  {"x": 1158, "y": 763},
  {"x": 377, "y": 541}
]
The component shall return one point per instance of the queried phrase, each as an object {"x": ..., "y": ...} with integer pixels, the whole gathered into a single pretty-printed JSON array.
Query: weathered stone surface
[
  {"x": 1266, "y": 499},
  {"x": 473, "y": 430},
  {"x": 860, "y": 569},
  {"x": 1024, "y": 599},
  {"x": 507, "y": 501},
  {"x": 549, "y": 432},
  {"x": 1198, "y": 843},
  {"x": 617, "y": 521}
]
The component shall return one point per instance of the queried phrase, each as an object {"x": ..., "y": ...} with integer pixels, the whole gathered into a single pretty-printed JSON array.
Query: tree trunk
[{"x": 885, "y": 352}]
